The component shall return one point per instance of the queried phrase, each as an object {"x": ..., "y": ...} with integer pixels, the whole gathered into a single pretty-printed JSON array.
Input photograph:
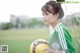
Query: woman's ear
[{"x": 57, "y": 15}]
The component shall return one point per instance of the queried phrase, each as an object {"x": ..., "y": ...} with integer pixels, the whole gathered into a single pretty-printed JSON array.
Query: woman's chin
[{"x": 46, "y": 23}]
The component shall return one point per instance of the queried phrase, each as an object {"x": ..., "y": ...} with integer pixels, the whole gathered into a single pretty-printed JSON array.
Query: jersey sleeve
[
  {"x": 65, "y": 40},
  {"x": 62, "y": 37},
  {"x": 70, "y": 44}
]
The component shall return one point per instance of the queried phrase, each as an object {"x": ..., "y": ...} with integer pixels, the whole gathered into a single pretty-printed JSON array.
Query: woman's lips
[{"x": 45, "y": 20}]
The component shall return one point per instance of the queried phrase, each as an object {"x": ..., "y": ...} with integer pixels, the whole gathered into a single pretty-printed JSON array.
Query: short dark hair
[{"x": 56, "y": 8}]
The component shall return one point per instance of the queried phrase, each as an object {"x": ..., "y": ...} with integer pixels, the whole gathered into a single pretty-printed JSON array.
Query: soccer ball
[{"x": 38, "y": 46}]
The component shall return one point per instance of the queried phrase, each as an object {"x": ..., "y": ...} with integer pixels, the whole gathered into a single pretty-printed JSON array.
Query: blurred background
[{"x": 21, "y": 22}]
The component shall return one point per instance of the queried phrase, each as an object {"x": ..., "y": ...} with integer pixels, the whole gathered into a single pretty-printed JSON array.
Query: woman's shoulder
[{"x": 60, "y": 28}]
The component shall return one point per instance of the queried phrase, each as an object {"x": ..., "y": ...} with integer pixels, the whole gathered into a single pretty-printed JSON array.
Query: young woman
[{"x": 60, "y": 40}]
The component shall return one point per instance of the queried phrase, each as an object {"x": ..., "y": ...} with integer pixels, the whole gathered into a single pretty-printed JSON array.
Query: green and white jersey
[{"x": 60, "y": 39}]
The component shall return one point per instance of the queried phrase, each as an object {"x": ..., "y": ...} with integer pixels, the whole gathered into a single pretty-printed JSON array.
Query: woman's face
[{"x": 49, "y": 18}]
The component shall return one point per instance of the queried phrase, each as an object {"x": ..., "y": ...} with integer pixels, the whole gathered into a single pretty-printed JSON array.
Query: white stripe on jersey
[{"x": 61, "y": 37}]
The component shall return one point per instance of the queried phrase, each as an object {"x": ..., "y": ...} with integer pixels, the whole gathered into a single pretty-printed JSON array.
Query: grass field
[{"x": 19, "y": 41}]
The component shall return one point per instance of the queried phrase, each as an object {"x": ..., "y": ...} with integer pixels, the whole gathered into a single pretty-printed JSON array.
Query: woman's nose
[{"x": 43, "y": 17}]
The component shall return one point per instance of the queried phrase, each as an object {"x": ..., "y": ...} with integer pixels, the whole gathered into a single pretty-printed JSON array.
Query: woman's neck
[{"x": 53, "y": 24}]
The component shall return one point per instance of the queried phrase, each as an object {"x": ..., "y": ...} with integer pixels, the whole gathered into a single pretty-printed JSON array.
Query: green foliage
[
  {"x": 72, "y": 21},
  {"x": 23, "y": 25},
  {"x": 34, "y": 22},
  {"x": 6, "y": 26},
  {"x": 75, "y": 21}
]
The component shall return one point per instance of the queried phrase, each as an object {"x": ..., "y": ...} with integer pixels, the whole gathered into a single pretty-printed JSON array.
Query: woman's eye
[{"x": 46, "y": 14}]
